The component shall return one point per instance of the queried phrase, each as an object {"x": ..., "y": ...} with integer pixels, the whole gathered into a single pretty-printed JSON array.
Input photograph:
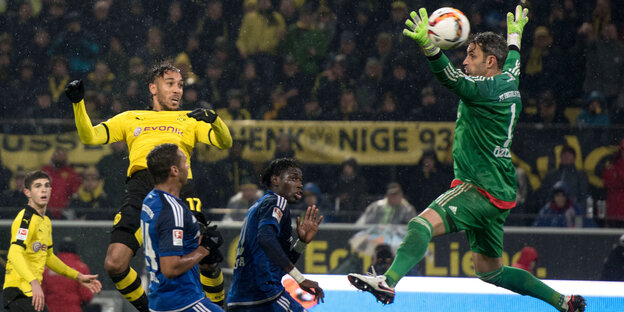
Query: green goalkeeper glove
[
  {"x": 417, "y": 30},
  {"x": 515, "y": 25}
]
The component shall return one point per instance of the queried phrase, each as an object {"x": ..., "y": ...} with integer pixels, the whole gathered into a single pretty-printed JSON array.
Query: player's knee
[
  {"x": 420, "y": 225},
  {"x": 493, "y": 277},
  {"x": 115, "y": 265}
]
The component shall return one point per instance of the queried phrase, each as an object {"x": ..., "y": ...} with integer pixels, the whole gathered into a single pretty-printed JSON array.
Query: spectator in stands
[
  {"x": 117, "y": 59},
  {"x": 101, "y": 79},
  {"x": 388, "y": 109},
  {"x": 307, "y": 44},
  {"x": 403, "y": 85},
  {"x": 242, "y": 200},
  {"x": 348, "y": 108},
  {"x": 77, "y": 45},
  {"x": 423, "y": 183},
  {"x": 312, "y": 196},
  {"x": 351, "y": 57},
  {"x": 542, "y": 65},
  {"x": 330, "y": 83},
  {"x": 232, "y": 171},
  {"x": 288, "y": 10},
  {"x": 395, "y": 24},
  {"x": 5, "y": 176},
  {"x": 326, "y": 22},
  {"x": 14, "y": 197},
  {"x": 90, "y": 197},
  {"x": 23, "y": 26},
  {"x": 382, "y": 258},
  {"x": 101, "y": 25},
  {"x": 212, "y": 25},
  {"x": 57, "y": 79},
  {"x": 191, "y": 96},
  {"x": 349, "y": 191},
  {"x": 176, "y": 29},
  {"x": 52, "y": 18},
  {"x": 604, "y": 69},
  {"x": 43, "y": 108},
  {"x": 560, "y": 210},
  {"x": 384, "y": 50},
  {"x": 112, "y": 169},
  {"x": 311, "y": 111},
  {"x": 260, "y": 34},
  {"x": 549, "y": 112},
  {"x": 613, "y": 268},
  {"x": 154, "y": 48},
  {"x": 392, "y": 209},
  {"x": 429, "y": 108},
  {"x": 367, "y": 91},
  {"x": 19, "y": 98},
  {"x": 135, "y": 23},
  {"x": 215, "y": 84},
  {"x": 527, "y": 260},
  {"x": 234, "y": 110},
  {"x": 595, "y": 111},
  {"x": 64, "y": 181},
  {"x": 38, "y": 51},
  {"x": 280, "y": 101},
  {"x": 63, "y": 294},
  {"x": 255, "y": 93},
  {"x": 294, "y": 82},
  {"x": 575, "y": 180},
  {"x": 613, "y": 179}
]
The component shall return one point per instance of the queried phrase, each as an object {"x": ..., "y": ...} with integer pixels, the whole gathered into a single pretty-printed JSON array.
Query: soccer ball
[{"x": 448, "y": 28}]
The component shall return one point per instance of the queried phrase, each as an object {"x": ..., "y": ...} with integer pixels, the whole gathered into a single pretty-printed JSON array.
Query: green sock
[
  {"x": 524, "y": 283},
  {"x": 411, "y": 251}
]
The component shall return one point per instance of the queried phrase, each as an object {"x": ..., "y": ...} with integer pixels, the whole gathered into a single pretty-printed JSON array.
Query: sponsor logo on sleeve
[
  {"x": 22, "y": 234},
  {"x": 277, "y": 214},
  {"x": 177, "y": 237}
]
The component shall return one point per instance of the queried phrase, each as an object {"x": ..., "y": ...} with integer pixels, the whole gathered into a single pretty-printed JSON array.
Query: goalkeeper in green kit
[{"x": 484, "y": 189}]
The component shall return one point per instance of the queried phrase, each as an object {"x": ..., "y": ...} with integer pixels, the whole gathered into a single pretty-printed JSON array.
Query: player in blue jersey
[
  {"x": 265, "y": 250},
  {"x": 172, "y": 240}
]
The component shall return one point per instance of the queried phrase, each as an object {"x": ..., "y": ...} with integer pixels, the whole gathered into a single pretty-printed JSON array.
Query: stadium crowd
[{"x": 294, "y": 60}]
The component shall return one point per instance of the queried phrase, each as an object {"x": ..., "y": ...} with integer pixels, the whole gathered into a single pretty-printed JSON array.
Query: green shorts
[{"x": 465, "y": 208}]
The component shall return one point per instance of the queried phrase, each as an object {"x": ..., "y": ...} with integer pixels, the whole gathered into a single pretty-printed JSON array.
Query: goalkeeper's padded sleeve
[
  {"x": 16, "y": 258},
  {"x": 55, "y": 264},
  {"x": 88, "y": 133}
]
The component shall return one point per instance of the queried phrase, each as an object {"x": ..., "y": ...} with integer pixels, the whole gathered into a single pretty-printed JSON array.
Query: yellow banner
[{"x": 329, "y": 142}]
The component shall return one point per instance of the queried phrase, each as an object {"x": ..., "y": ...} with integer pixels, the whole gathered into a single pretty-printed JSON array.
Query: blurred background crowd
[{"x": 304, "y": 60}]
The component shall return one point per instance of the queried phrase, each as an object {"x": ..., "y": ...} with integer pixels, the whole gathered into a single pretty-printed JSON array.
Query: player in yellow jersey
[
  {"x": 143, "y": 130},
  {"x": 31, "y": 251}
]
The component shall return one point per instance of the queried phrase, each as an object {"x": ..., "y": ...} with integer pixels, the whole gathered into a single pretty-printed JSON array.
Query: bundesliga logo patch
[
  {"x": 22, "y": 234},
  {"x": 277, "y": 214},
  {"x": 177, "y": 237}
]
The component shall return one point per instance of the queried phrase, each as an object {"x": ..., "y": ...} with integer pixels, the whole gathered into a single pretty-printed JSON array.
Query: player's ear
[
  {"x": 491, "y": 60},
  {"x": 152, "y": 88},
  {"x": 275, "y": 179},
  {"x": 174, "y": 171}
]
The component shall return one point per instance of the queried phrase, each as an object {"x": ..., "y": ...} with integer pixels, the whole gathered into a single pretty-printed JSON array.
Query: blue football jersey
[
  {"x": 169, "y": 229},
  {"x": 256, "y": 279}
]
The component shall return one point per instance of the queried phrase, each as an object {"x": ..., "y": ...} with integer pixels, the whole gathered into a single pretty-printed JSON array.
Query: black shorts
[
  {"x": 16, "y": 301},
  {"x": 127, "y": 223}
]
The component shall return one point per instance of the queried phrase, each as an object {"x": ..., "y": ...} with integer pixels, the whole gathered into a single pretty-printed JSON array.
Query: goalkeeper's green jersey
[{"x": 487, "y": 114}]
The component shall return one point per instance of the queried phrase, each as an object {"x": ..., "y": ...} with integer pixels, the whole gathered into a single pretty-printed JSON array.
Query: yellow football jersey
[
  {"x": 34, "y": 233},
  {"x": 143, "y": 130}
]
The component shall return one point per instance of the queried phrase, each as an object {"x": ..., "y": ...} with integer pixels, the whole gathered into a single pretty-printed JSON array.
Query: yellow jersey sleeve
[
  {"x": 18, "y": 261},
  {"x": 55, "y": 264},
  {"x": 216, "y": 134},
  {"x": 88, "y": 133}
]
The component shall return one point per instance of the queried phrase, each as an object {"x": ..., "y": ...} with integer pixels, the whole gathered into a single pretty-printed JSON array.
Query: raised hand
[
  {"x": 417, "y": 30},
  {"x": 203, "y": 114},
  {"x": 90, "y": 281},
  {"x": 308, "y": 227},
  {"x": 75, "y": 91},
  {"x": 515, "y": 25},
  {"x": 313, "y": 287}
]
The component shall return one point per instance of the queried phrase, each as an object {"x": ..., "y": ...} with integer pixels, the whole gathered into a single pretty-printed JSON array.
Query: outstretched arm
[
  {"x": 87, "y": 132},
  {"x": 211, "y": 129},
  {"x": 515, "y": 27}
]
